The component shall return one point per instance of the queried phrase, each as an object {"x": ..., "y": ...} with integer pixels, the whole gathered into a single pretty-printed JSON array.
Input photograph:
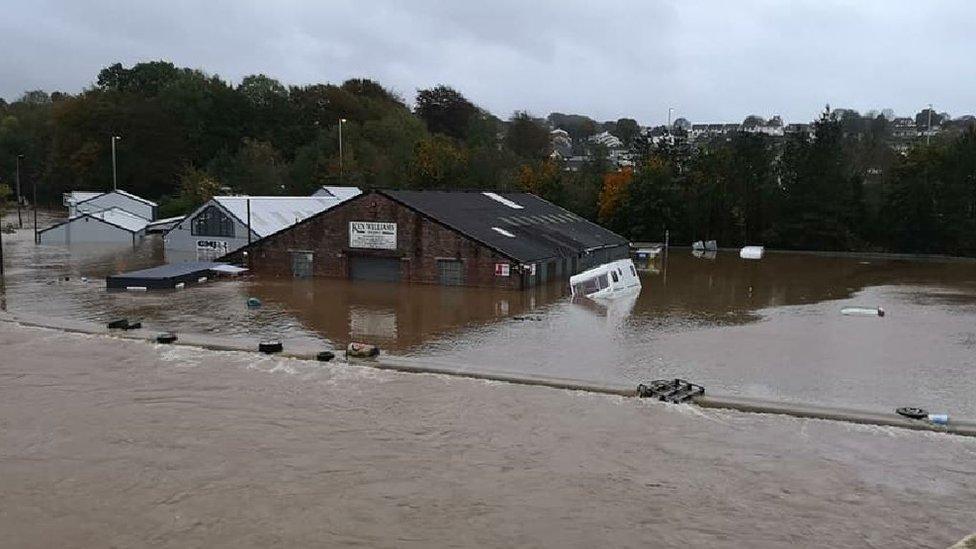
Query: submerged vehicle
[
  {"x": 606, "y": 281},
  {"x": 707, "y": 245}
]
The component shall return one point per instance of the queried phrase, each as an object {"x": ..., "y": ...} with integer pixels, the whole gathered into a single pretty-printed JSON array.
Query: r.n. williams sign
[{"x": 372, "y": 235}]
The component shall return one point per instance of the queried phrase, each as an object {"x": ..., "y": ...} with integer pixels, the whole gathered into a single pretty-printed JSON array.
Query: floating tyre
[
  {"x": 166, "y": 338},
  {"x": 253, "y": 302},
  {"x": 270, "y": 346},
  {"x": 325, "y": 356},
  {"x": 911, "y": 412},
  {"x": 118, "y": 324}
]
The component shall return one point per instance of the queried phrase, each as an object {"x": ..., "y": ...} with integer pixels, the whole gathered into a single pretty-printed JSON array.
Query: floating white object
[
  {"x": 180, "y": 285},
  {"x": 227, "y": 269},
  {"x": 939, "y": 419},
  {"x": 136, "y": 288},
  {"x": 862, "y": 311},
  {"x": 606, "y": 281},
  {"x": 752, "y": 252},
  {"x": 201, "y": 280}
]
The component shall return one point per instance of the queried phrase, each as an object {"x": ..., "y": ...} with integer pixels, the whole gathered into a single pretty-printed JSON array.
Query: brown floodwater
[
  {"x": 769, "y": 328},
  {"x": 115, "y": 443}
]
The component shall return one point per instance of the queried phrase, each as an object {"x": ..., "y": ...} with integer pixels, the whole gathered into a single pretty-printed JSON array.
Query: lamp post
[
  {"x": 670, "y": 110},
  {"x": 34, "y": 200},
  {"x": 115, "y": 182},
  {"x": 341, "y": 122},
  {"x": 20, "y": 220}
]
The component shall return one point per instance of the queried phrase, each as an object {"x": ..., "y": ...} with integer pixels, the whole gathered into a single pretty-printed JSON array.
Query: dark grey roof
[{"x": 541, "y": 229}]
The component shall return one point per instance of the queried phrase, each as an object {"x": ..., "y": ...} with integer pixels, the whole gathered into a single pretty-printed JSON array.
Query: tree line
[{"x": 187, "y": 135}]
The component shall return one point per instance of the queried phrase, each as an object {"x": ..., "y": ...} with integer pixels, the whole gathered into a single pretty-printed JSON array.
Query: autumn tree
[{"x": 445, "y": 111}]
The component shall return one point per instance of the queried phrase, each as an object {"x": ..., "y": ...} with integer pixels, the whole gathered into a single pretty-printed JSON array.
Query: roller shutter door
[{"x": 375, "y": 268}]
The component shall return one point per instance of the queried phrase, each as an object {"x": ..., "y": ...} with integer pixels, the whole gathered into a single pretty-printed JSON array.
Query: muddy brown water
[
  {"x": 113, "y": 443},
  {"x": 769, "y": 328}
]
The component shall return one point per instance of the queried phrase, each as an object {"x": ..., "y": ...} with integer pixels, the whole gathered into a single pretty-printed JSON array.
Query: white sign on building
[{"x": 372, "y": 235}]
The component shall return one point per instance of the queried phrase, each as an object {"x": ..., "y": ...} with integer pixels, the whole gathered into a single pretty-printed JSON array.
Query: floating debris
[
  {"x": 362, "y": 350},
  {"x": 270, "y": 346},
  {"x": 862, "y": 311},
  {"x": 253, "y": 303},
  {"x": 752, "y": 252}
]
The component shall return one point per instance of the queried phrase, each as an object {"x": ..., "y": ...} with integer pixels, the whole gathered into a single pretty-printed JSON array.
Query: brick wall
[{"x": 420, "y": 243}]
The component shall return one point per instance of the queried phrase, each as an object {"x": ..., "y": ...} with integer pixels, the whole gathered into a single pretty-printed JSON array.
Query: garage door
[{"x": 375, "y": 268}]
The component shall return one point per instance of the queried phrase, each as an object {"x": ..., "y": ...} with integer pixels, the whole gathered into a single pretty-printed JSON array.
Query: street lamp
[
  {"x": 115, "y": 182},
  {"x": 670, "y": 110},
  {"x": 341, "y": 122},
  {"x": 20, "y": 220}
]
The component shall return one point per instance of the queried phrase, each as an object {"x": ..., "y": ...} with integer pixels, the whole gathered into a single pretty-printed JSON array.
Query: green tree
[
  {"x": 445, "y": 111},
  {"x": 527, "y": 137}
]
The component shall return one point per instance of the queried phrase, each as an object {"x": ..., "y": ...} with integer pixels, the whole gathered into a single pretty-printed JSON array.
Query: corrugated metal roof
[
  {"x": 134, "y": 197},
  {"x": 342, "y": 193},
  {"x": 121, "y": 218},
  {"x": 541, "y": 229},
  {"x": 270, "y": 214},
  {"x": 75, "y": 197}
]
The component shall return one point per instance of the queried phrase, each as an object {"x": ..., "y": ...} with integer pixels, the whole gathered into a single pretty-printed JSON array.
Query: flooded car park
[{"x": 771, "y": 328}]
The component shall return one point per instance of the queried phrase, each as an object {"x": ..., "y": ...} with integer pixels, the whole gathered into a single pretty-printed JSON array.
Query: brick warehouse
[{"x": 469, "y": 238}]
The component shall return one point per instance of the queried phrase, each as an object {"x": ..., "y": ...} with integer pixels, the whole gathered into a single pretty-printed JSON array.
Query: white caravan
[{"x": 606, "y": 281}]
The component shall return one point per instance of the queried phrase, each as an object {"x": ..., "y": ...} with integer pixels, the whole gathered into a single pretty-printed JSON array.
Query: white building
[
  {"x": 607, "y": 139},
  {"x": 129, "y": 202},
  {"x": 220, "y": 225},
  {"x": 111, "y": 226}
]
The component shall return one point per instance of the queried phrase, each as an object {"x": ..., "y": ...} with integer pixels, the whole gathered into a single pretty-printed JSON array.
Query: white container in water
[
  {"x": 862, "y": 311},
  {"x": 939, "y": 419},
  {"x": 752, "y": 252}
]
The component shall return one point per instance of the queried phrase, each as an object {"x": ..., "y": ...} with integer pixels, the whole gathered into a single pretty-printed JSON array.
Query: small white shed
[{"x": 112, "y": 226}]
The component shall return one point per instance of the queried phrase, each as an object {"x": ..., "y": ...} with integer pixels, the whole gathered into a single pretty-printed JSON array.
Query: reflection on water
[{"x": 765, "y": 328}]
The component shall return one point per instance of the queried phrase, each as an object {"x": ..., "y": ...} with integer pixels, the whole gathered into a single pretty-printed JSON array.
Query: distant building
[
  {"x": 903, "y": 128},
  {"x": 455, "y": 238},
  {"x": 562, "y": 144},
  {"x": 607, "y": 139},
  {"x": 222, "y": 224},
  {"x": 85, "y": 202}
]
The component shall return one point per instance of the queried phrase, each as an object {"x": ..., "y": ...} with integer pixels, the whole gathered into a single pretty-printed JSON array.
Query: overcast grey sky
[{"x": 712, "y": 61}]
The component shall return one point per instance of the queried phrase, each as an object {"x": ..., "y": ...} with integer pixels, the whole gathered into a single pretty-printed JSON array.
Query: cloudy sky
[{"x": 712, "y": 61}]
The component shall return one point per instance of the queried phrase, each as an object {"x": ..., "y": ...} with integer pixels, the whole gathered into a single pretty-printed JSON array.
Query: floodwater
[
  {"x": 770, "y": 328},
  {"x": 132, "y": 445}
]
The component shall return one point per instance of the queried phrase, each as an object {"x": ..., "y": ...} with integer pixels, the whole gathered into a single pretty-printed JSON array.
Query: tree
[
  {"x": 527, "y": 136},
  {"x": 445, "y": 111},
  {"x": 613, "y": 197},
  {"x": 626, "y": 129},
  {"x": 439, "y": 164}
]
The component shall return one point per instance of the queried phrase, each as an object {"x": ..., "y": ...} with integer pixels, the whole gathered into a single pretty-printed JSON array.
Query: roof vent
[
  {"x": 503, "y": 200},
  {"x": 503, "y": 232}
]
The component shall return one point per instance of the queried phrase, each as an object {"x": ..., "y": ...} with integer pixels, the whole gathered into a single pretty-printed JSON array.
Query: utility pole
[
  {"x": 341, "y": 121},
  {"x": 115, "y": 182},
  {"x": 20, "y": 219},
  {"x": 34, "y": 183}
]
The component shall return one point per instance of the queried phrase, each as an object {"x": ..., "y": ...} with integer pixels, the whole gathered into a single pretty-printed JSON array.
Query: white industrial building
[
  {"x": 223, "y": 224},
  {"x": 87, "y": 202},
  {"x": 111, "y": 226}
]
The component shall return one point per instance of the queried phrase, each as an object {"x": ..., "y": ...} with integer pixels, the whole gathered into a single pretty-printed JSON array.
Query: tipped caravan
[{"x": 606, "y": 281}]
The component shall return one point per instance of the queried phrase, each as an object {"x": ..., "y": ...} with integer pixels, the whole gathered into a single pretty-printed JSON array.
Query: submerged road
[{"x": 105, "y": 442}]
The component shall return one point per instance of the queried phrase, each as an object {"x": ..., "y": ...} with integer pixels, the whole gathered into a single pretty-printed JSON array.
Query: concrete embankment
[{"x": 305, "y": 351}]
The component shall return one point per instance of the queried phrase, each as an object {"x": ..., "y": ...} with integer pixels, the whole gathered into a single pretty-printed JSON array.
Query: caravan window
[
  {"x": 613, "y": 275},
  {"x": 633, "y": 271},
  {"x": 212, "y": 222}
]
